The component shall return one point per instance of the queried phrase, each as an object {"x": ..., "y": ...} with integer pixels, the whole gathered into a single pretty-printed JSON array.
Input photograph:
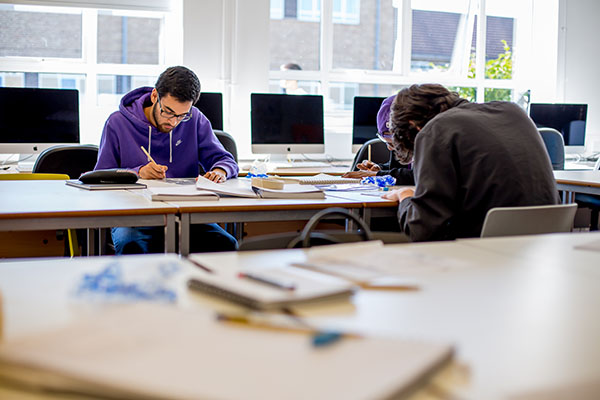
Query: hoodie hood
[{"x": 132, "y": 107}]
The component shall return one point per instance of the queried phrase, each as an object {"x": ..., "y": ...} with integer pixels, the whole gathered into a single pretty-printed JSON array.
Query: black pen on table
[{"x": 268, "y": 281}]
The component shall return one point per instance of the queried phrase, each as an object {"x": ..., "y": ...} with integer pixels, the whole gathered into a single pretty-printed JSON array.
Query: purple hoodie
[{"x": 190, "y": 143}]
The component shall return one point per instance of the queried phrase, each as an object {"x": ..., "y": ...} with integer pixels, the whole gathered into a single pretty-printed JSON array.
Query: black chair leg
[{"x": 594, "y": 222}]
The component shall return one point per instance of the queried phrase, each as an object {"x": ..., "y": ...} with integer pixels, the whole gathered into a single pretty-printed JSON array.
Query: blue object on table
[
  {"x": 251, "y": 175},
  {"x": 380, "y": 181},
  {"x": 109, "y": 284},
  {"x": 326, "y": 338}
]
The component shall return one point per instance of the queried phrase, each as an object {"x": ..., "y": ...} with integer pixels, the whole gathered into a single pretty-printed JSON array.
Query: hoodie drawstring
[
  {"x": 149, "y": 139},
  {"x": 170, "y": 143}
]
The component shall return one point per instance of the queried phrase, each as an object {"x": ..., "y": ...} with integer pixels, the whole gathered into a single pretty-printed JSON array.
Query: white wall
[
  {"x": 226, "y": 44},
  {"x": 579, "y": 74}
]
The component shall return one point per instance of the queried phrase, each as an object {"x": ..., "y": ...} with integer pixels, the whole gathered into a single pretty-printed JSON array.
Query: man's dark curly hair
[
  {"x": 414, "y": 107},
  {"x": 179, "y": 82}
]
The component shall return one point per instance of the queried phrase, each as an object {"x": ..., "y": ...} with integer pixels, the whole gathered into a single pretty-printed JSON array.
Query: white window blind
[{"x": 143, "y": 5}]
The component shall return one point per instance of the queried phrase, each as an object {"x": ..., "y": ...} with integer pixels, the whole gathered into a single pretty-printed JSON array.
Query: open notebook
[
  {"x": 151, "y": 351},
  {"x": 242, "y": 187}
]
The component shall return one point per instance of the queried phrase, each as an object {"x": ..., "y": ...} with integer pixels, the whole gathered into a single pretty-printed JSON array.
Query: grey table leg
[
  {"x": 170, "y": 233},
  {"x": 184, "y": 234}
]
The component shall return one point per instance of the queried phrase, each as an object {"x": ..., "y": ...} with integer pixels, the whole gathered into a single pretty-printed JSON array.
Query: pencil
[
  {"x": 148, "y": 154},
  {"x": 368, "y": 153}
]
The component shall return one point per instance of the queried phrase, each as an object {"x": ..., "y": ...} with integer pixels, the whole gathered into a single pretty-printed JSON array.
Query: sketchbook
[
  {"x": 165, "y": 352},
  {"x": 323, "y": 179},
  {"x": 242, "y": 187},
  {"x": 263, "y": 293},
  {"x": 104, "y": 186}
]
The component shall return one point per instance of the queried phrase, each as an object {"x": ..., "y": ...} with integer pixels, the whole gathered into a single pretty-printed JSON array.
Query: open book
[
  {"x": 242, "y": 187},
  {"x": 150, "y": 351}
]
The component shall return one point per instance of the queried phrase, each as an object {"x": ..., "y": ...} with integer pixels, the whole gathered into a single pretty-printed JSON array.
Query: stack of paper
[
  {"x": 176, "y": 192},
  {"x": 153, "y": 351}
]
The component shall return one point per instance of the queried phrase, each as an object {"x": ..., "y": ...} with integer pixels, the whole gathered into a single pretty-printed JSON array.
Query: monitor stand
[{"x": 26, "y": 162}]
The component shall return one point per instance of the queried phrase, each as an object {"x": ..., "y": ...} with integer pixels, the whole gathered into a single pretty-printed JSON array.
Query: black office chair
[
  {"x": 72, "y": 160},
  {"x": 379, "y": 153},
  {"x": 555, "y": 146},
  {"x": 590, "y": 201},
  {"x": 228, "y": 142}
]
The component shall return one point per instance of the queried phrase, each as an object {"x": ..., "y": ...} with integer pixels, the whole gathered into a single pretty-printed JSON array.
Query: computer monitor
[
  {"x": 34, "y": 119},
  {"x": 568, "y": 119},
  {"x": 286, "y": 124},
  {"x": 364, "y": 120},
  {"x": 211, "y": 105}
]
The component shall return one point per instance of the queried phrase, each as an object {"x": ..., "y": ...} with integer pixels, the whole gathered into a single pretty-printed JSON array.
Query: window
[
  {"x": 102, "y": 53},
  {"x": 309, "y": 10},
  {"x": 384, "y": 45}
]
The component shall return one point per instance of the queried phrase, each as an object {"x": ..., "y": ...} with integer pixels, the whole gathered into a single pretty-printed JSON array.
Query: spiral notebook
[
  {"x": 262, "y": 291},
  {"x": 322, "y": 179}
]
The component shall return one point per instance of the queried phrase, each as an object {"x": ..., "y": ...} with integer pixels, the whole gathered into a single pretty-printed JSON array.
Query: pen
[
  {"x": 148, "y": 154},
  {"x": 368, "y": 153},
  {"x": 203, "y": 267},
  {"x": 268, "y": 281}
]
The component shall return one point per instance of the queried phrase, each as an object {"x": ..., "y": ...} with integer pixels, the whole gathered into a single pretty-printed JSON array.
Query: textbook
[
  {"x": 180, "y": 193},
  {"x": 104, "y": 186},
  {"x": 155, "y": 351},
  {"x": 242, "y": 187},
  {"x": 271, "y": 288}
]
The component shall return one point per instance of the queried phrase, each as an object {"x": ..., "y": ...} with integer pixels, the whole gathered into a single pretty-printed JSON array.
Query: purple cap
[{"x": 383, "y": 115}]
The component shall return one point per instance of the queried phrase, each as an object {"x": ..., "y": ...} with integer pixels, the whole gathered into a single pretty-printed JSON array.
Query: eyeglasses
[
  {"x": 385, "y": 137},
  {"x": 169, "y": 115}
]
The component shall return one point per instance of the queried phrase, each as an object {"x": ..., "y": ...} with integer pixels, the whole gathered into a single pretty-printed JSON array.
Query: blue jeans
[{"x": 203, "y": 238}]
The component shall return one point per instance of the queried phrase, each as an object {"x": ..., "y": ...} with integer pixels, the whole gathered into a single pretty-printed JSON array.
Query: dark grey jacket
[{"x": 469, "y": 159}]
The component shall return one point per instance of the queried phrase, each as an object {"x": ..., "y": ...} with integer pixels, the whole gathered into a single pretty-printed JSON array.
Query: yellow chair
[
  {"x": 73, "y": 245},
  {"x": 39, "y": 177}
]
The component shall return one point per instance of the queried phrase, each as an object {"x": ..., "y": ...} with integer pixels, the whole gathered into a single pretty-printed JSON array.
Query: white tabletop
[{"x": 522, "y": 312}]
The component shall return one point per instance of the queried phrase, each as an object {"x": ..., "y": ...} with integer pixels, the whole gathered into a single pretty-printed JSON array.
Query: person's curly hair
[{"x": 414, "y": 107}]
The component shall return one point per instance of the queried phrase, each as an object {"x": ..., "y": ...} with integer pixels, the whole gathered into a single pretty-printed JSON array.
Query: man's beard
[{"x": 161, "y": 127}]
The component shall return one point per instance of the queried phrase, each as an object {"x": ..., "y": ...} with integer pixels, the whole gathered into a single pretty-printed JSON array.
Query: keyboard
[{"x": 299, "y": 164}]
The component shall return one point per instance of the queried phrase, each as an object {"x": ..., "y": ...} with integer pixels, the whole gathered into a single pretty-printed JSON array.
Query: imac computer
[
  {"x": 34, "y": 119},
  {"x": 568, "y": 119},
  {"x": 364, "y": 120},
  {"x": 283, "y": 124},
  {"x": 211, "y": 105}
]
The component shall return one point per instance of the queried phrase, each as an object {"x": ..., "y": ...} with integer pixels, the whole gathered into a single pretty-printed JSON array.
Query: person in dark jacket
[
  {"x": 467, "y": 158},
  {"x": 403, "y": 173},
  {"x": 179, "y": 140}
]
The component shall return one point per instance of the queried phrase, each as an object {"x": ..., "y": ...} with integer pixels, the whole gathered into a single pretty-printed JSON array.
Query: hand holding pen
[{"x": 152, "y": 170}]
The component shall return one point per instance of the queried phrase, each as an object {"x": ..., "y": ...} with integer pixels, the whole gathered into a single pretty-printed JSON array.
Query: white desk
[
  {"x": 577, "y": 182},
  {"x": 41, "y": 205},
  {"x": 523, "y": 315}
]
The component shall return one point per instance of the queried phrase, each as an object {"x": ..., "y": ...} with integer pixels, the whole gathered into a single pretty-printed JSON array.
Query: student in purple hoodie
[{"x": 180, "y": 140}]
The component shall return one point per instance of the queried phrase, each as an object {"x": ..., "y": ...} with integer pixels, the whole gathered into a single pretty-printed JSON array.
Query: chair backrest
[
  {"x": 379, "y": 153},
  {"x": 228, "y": 142},
  {"x": 39, "y": 177},
  {"x": 555, "y": 146},
  {"x": 72, "y": 160},
  {"x": 529, "y": 220}
]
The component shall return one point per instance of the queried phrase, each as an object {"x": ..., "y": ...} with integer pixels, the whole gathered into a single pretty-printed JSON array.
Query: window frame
[
  {"x": 87, "y": 65},
  {"x": 401, "y": 73}
]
